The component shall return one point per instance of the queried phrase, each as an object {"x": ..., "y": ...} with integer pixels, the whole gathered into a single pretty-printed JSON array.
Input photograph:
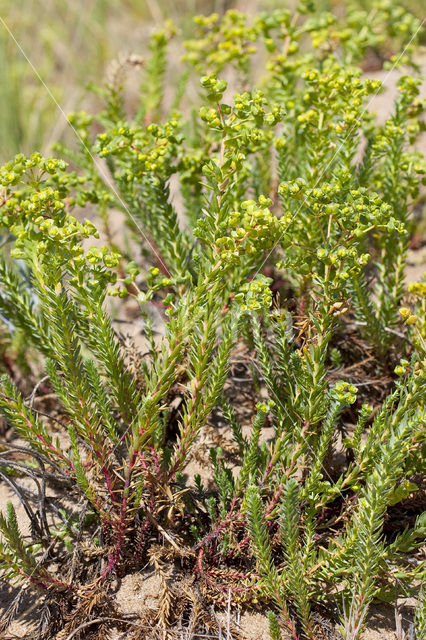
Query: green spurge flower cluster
[{"x": 276, "y": 216}]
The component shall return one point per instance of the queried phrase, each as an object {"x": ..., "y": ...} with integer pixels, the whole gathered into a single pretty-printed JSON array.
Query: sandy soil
[{"x": 138, "y": 592}]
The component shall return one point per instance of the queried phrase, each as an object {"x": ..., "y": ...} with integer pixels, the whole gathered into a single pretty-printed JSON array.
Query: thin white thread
[
  {"x": 100, "y": 169},
  {"x": 355, "y": 126}
]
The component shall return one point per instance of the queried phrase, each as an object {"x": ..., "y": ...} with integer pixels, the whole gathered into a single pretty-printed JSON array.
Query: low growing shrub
[{"x": 287, "y": 249}]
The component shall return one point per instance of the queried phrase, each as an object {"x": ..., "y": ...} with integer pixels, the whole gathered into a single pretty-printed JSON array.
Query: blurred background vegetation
[{"x": 70, "y": 43}]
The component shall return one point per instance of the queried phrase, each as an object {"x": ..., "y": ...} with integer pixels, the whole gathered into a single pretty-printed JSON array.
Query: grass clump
[{"x": 289, "y": 247}]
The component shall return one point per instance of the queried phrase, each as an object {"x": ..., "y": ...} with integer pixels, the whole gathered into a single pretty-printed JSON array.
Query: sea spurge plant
[{"x": 269, "y": 222}]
